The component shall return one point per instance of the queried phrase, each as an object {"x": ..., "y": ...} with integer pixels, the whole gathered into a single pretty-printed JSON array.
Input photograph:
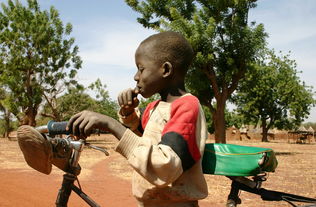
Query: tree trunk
[
  {"x": 264, "y": 131},
  {"x": 5, "y": 134},
  {"x": 30, "y": 111},
  {"x": 52, "y": 103},
  {"x": 29, "y": 118},
  {"x": 218, "y": 117},
  {"x": 7, "y": 123}
]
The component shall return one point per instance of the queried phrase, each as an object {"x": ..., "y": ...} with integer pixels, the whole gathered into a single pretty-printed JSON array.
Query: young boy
[{"x": 165, "y": 144}]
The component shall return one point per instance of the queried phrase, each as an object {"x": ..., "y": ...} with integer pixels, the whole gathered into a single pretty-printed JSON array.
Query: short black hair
[{"x": 172, "y": 47}]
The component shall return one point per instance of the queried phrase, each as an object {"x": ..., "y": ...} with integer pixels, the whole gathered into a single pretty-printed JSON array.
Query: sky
[{"x": 108, "y": 34}]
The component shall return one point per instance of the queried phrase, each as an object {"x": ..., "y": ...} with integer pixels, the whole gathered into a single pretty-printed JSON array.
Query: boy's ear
[{"x": 167, "y": 69}]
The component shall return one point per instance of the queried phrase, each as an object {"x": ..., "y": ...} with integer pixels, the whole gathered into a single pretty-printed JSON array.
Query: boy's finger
[
  {"x": 75, "y": 126},
  {"x": 136, "y": 101},
  {"x": 135, "y": 94},
  {"x": 124, "y": 98},
  {"x": 72, "y": 119},
  {"x": 136, "y": 90},
  {"x": 82, "y": 127},
  {"x": 88, "y": 129},
  {"x": 129, "y": 97},
  {"x": 119, "y": 99}
]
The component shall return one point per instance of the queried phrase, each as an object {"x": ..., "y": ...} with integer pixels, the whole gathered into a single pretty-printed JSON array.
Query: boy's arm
[
  {"x": 158, "y": 164},
  {"x": 178, "y": 150},
  {"x": 129, "y": 115},
  {"x": 131, "y": 121},
  {"x": 83, "y": 123}
]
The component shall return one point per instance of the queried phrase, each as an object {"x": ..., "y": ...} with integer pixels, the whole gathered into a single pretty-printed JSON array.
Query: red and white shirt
[{"x": 167, "y": 157}]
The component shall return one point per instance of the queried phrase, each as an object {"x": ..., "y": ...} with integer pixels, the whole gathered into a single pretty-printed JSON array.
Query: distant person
[
  {"x": 165, "y": 143},
  {"x": 244, "y": 133}
]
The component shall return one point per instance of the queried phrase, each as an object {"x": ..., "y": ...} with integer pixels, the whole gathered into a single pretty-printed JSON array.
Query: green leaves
[
  {"x": 224, "y": 43},
  {"x": 273, "y": 93},
  {"x": 37, "y": 55}
]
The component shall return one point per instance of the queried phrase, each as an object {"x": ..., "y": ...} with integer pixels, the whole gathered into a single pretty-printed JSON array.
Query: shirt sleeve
[
  {"x": 132, "y": 121},
  {"x": 158, "y": 164},
  {"x": 180, "y": 131},
  {"x": 162, "y": 163}
]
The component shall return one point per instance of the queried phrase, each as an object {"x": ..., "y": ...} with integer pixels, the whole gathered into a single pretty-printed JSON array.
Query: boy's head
[
  {"x": 169, "y": 47},
  {"x": 166, "y": 56}
]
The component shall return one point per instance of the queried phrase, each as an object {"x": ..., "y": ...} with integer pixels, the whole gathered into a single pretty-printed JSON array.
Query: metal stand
[
  {"x": 72, "y": 172},
  {"x": 65, "y": 190},
  {"x": 245, "y": 184}
]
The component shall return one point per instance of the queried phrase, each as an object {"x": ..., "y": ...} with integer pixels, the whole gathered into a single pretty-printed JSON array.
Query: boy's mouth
[{"x": 137, "y": 89}]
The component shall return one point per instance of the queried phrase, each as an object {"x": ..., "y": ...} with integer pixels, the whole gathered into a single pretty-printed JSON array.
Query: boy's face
[{"x": 149, "y": 75}]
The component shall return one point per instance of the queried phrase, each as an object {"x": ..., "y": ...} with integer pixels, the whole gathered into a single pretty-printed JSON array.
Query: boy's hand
[
  {"x": 83, "y": 123},
  {"x": 128, "y": 100}
]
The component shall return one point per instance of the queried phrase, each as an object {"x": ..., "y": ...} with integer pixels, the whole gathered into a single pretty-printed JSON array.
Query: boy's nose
[{"x": 136, "y": 77}]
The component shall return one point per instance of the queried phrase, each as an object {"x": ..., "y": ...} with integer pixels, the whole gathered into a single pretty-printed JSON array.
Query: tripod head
[{"x": 42, "y": 147}]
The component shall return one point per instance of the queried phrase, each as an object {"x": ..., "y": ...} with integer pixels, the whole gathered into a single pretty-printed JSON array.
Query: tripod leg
[
  {"x": 84, "y": 196},
  {"x": 65, "y": 190},
  {"x": 233, "y": 198}
]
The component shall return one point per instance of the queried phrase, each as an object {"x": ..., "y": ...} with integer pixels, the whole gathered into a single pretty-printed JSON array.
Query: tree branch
[
  {"x": 210, "y": 73},
  {"x": 236, "y": 77},
  {"x": 48, "y": 115},
  {"x": 55, "y": 114}
]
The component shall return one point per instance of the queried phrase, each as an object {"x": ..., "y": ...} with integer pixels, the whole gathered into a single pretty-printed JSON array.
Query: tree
[
  {"x": 72, "y": 102},
  {"x": 36, "y": 57},
  {"x": 273, "y": 95},
  {"x": 104, "y": 104},
  {"x": 145, "y": 101},
  {"x": 5, "y": 113},
  {"x": 224, "y": 43},
  {"x": 77, "y": 99},
  {"x": 231, "y": 119}
]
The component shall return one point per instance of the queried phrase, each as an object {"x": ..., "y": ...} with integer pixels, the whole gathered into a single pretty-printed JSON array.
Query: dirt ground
[{"x": 107, "y": 179}]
